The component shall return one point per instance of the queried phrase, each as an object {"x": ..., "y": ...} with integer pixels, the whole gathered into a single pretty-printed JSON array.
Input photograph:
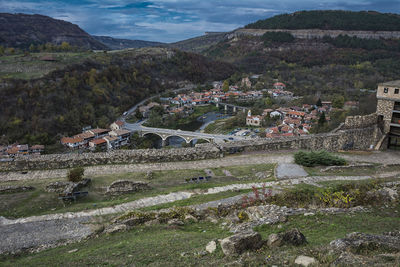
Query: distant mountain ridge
[
  {"x": 22, "y": 30},
  {"x": 116, "y": 44}
]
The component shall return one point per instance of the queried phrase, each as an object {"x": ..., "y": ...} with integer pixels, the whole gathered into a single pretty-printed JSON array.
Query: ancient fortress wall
[
  {"x": 358, "y": 133},
  {"x": 316, "y": 33},
  {"x": 353, "y": 122}
]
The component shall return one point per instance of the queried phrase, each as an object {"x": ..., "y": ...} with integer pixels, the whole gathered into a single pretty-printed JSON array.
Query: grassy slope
[
  {"x": 39, "y": 201},
  {"x": 162, "y": 245}
]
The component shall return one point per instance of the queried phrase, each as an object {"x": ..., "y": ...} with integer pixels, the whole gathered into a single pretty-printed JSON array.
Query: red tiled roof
[
  {"x": 69, "y": 140},
  {"x": 119, "y": 123},
  {"x": 98, "y": 131},
  {"x": 98, "y": 141}
]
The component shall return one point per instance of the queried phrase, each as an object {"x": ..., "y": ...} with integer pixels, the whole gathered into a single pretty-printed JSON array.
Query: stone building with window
[{"x": 388, "y": 111}]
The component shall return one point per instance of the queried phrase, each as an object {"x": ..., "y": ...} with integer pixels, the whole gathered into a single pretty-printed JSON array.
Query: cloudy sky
[{"x": 174, "y": 20}]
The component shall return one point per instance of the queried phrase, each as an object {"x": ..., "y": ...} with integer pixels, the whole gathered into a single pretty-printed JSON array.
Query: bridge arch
[
  {"x": 198, "y": 138},
  {"x": 153, "y": 133}
]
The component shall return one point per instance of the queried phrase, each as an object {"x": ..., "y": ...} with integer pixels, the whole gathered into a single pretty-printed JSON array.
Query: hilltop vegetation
[
  {"x": 95, "y": 92},
  {"x": 331, "y": 20}
]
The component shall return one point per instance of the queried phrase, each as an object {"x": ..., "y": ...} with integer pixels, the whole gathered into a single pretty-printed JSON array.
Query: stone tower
[{"x": 388, "y": 110}]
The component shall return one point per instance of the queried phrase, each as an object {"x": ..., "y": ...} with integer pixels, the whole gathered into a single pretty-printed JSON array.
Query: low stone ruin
[
  {"x": 67, "y": 187},
  {"x": 124, "y": 187}
]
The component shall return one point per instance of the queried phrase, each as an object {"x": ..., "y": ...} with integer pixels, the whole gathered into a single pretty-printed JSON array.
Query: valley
[{"x": 273, "y": 144}]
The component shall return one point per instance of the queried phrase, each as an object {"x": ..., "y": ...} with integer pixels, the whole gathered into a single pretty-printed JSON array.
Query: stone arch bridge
[{"x": 186, "y": 135}]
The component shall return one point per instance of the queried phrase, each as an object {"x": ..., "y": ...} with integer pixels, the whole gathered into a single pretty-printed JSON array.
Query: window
[
  {"x": 396, "y": 91},
  {"x": 385, "y": 90}
]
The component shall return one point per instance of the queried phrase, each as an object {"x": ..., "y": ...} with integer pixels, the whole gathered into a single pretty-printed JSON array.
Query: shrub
[
  {"x": 76, "y": 174},
  {"x": 314, "y": 158}
]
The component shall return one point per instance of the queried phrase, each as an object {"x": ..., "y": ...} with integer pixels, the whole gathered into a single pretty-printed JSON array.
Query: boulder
[
  {"x": 294, "y": 237},
  {"x": 357, "y": 242},
  {"x": 238, "y": 243},
  {"x": 305, "y": 260},
  {"x": 115, "y": 228},
  {"x": 124, "y": 186},
  {"x": 274, "y": 240},
  {"x": 211, "y": 247},
  {"x": 176, "y": 222},
  {"x": 190, "y": 218}
]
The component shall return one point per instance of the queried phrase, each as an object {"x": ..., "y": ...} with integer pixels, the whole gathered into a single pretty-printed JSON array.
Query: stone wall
[
  {"x": 385, "y": 108},
  {"x": 352, "y": 122},
  {"x": 357, "y": 139},
  {"x": 62, "y": 161},
  {"x": 316, "y": 33},
  {"x": 360, "y": 138}
]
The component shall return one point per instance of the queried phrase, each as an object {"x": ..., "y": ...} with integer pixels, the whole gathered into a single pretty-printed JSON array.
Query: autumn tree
[
  {"x": 225, "y": 86},
  {"x": 338, "y": 101}
]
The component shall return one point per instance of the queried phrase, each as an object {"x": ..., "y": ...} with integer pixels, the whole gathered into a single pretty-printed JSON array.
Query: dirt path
[{"x": 238, "y": 160}]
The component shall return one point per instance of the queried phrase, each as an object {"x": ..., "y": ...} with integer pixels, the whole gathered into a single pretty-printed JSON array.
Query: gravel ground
[
  {"x": 289, "y": 170},
  {"x": 22, "y": 236}
]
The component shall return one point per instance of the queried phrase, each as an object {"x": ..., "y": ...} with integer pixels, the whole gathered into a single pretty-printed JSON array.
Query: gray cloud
[{"x": 173, "y": 20}]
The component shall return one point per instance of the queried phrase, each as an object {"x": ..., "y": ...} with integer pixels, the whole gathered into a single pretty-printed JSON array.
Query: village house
[
  {"x": 36, "y": 149},
  {"x": 122, "y": 135},
  {"x": 279, "y": 86},
  {"x": 98, "y": 133},
  {"x": 98, "y": 143},
  {"x": 253, "y": 120},
  {"x": 116, "y": 125},
  {"x": 72, "y": 142},
  {"x": 112, "y": 142},
  {"x": 296, "y": 114}
]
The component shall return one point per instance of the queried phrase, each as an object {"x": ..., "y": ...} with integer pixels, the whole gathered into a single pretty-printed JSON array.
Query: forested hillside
[
  {"x": 95, "y": 92},
  {"x": 327, "y": 65},
  {"x": 331, "y": 20},
  {"x": 23, "y": 30}
]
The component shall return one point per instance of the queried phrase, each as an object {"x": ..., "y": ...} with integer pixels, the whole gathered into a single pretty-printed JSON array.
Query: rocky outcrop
[
  {"x": 358, "y": 242},
  {"x": 358, "y": 249},
  {"x": 237, "y": 244},
  {"x": 292, "y": 237},
  {"x": 305, "y": 260},
  {"x": 124, "y": 187}
]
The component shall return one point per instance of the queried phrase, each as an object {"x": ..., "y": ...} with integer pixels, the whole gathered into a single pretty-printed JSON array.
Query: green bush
[
  {"x": 314, "y": 158},
  {"x": 75, "y": 174}
]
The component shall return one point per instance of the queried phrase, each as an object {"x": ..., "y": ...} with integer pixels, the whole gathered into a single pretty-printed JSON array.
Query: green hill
[{"x": 331, "y": 20}]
